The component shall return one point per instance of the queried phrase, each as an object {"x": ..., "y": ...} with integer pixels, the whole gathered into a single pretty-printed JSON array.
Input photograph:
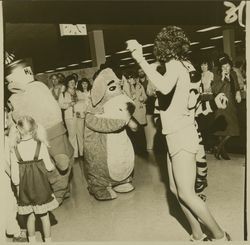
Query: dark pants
[
  {"x": 138, "y": 139},
  {"x": 205, "y": 124}
]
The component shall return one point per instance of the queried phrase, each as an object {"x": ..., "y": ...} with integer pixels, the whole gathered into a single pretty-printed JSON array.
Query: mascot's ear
[
  {"x": 98, "y": 89},
  {"x": 100, "y": 85}
]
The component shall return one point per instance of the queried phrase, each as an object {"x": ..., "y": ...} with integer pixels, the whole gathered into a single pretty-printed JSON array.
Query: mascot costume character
[
  {"x": 108, "y": 150},
  {"x": 33, "y": 98}
]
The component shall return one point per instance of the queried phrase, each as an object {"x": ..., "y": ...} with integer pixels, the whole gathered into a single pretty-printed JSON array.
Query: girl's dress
[{"x": 35, "y": 194}]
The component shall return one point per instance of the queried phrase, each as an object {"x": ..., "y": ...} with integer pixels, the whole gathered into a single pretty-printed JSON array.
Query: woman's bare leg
[
  {"x": 195, "y": 225},
  {"x": 184, "y": 173}
]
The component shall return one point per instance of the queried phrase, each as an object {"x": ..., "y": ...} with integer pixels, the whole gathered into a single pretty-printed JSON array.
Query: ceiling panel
[{"x": 32, "y": 28}]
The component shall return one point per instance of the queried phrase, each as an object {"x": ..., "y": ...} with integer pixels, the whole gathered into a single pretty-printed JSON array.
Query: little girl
[{"x": 29, "y": 162}]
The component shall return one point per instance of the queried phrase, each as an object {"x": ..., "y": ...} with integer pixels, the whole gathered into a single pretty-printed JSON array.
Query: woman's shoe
[
  {"x": 224, "y": 154},
  {"x": 217, "y": 153},
  {"x": 226, "y": 237},
  {"x": 204, "y": 238}
]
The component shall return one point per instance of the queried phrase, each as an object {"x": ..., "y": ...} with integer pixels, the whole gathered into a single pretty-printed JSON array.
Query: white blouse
[
  {"x": 65, "y": 103},
  {"x": 206, "y": 79}
]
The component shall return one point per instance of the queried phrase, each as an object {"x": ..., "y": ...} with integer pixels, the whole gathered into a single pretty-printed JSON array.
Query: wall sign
[
  {"x": 73, "y": 29},
  {"x": 234, "y": 12}
]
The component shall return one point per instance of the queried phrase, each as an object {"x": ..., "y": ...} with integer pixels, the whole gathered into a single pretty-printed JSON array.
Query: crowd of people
[
  {"x": 73, "y": 96},
  {"x": 216, "y": 128},
  {"x": 162, "y": 90}
]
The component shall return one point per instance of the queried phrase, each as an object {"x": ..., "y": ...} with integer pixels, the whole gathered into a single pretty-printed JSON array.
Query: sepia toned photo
[{"x": 124, "y": 121}]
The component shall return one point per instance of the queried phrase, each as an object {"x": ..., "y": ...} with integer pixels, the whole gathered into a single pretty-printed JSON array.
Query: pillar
[
  {"x": 228, "y": 43},
  {"x": 97, "y": 48}
]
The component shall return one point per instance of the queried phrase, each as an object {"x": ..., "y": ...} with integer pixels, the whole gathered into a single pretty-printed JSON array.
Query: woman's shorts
[{"x": 184, "y": 139}]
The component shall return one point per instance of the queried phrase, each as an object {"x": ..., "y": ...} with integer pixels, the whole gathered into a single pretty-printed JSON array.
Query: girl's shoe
[
  {"x": 20, "y": 239},
  {"x": 204, "y": 238}
]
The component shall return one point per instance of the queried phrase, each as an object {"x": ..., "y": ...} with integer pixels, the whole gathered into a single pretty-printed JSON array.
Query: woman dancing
[{"x": 178, "y": 124}]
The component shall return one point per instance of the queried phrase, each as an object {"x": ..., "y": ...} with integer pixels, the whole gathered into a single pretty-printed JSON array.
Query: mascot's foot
[
  {"x": 124, "y": 188},
  {"x": 103, "y": 194}
]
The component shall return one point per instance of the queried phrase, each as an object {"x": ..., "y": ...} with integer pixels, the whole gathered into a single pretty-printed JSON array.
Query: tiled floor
[{"x": 150, "y": 213}]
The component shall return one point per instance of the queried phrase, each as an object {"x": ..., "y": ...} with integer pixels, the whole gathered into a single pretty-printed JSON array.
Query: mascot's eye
[{"x": 112, "y": 88}]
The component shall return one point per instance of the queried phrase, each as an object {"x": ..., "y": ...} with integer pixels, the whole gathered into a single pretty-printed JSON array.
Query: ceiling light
[
  {"x": 39, "y": 73},
  {"x": 60, "y": 68},
  {"x": 86, "y": 61},
  {"x": 123, "y": 51},
  {"x": 129, "y": 58},
  {"x": 122, "y": 65},
  {"x": 126, "y": 50},
  {"x": 209, "y": 47},
  {"x": 238, "y": 41},
  {"x": 147, "y": 54},
  {"x": 194, "y": 43},
  {"x": 215, "y": 38},
  {"x": 147, "y": 45},
  {"x": 49, "y": 71},
  {"x": 107, "y": 56},
  {"x": 208, "y": 29},
  {"x": 72, "y": 65},
  {"x": 132, "y": 63}
]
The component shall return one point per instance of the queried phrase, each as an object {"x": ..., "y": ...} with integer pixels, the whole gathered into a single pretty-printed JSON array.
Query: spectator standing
[
  {"x": 226, "y": 121},
  {"x": 83, "y": 100},
  {"x": 67, "y": 101},
  {"x": 56, "y": 87},
  {"x": 133, "y": 88},
  {"x": 150, "y": 129}
]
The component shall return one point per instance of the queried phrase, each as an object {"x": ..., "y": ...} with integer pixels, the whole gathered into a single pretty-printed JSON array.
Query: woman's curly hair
[{"x": 171, "y": 42}]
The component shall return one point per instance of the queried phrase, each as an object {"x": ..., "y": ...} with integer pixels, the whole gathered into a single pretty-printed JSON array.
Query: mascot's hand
[
  {"x": 133, "y": 125},
  {"x": 221, "y": 101},
  {"x": 136, "y": 50}
]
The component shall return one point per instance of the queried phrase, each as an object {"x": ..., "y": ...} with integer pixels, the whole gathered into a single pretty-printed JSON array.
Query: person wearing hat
[
  {"x": 226, "y": 121},
  {"x": 33, "y": 98}
]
